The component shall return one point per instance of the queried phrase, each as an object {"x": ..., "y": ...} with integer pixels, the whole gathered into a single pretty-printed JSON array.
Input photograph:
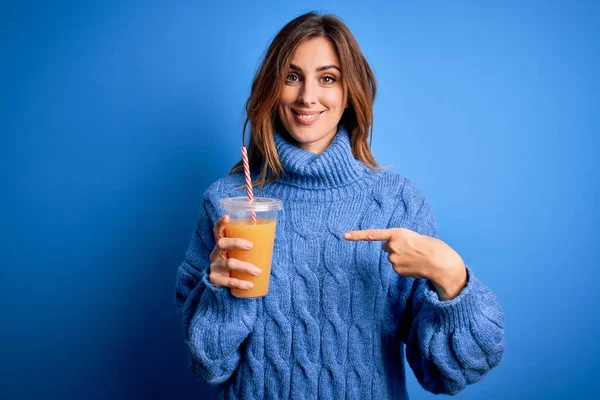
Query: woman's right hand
[{"x": 221, "y": 265}]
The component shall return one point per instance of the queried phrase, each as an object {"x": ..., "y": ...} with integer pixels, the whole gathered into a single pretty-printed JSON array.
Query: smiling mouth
[{"x": 305, "y": 117}]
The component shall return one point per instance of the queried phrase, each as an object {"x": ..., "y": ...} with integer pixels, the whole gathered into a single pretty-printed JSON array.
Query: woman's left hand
[{"x": 419, "y": 256}]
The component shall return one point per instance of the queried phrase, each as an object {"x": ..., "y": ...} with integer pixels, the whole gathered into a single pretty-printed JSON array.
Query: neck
[{"x": 334, "y": 167}]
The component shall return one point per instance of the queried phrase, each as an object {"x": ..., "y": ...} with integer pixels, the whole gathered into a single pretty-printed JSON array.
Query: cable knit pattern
[{"x": 337, "y": 317}]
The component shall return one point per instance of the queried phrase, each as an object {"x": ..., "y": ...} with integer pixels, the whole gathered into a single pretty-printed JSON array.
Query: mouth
[{"x": 306, "y": 117}]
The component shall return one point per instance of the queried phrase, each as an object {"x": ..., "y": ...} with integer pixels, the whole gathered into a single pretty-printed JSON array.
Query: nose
[{"x": 308, "y": 94}]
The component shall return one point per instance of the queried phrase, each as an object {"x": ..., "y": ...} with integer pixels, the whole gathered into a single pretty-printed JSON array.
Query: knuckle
[
  {"x": 393, "y": 258},
  {"x": 215, "y": 267},
  {"x": 212, "y": 279}
]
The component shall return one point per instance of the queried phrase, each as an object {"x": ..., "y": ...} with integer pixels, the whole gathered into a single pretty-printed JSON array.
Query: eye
[
  {"x": 291, "y": 77},
  {"x": 328, "y": 79}
]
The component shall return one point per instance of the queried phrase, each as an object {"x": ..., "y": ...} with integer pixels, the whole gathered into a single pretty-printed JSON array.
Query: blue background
[{"x": 116, "y": 116}]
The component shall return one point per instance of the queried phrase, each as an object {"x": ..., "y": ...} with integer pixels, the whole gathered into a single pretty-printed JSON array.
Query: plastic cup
[{"x": 261, "y": 234}]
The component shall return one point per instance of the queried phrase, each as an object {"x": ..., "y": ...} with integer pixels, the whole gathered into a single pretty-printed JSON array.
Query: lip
[{"x": 310, "y": 116}]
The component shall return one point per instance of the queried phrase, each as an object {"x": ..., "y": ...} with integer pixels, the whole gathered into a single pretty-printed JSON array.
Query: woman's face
[{"x": 314, "y": 96}]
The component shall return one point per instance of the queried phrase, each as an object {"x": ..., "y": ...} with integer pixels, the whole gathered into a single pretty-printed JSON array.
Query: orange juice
[{"x": 262, "y": 236}]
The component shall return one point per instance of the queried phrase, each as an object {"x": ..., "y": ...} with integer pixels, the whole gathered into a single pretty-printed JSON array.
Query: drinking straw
[{"x": 248, "y": 182}]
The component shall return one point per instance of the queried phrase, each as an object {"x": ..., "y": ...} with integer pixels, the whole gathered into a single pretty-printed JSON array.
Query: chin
[{"x": 304, "y": 136}]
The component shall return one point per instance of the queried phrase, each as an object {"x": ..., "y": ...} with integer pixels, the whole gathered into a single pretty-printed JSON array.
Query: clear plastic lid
[{"x": 258, "y": 204}]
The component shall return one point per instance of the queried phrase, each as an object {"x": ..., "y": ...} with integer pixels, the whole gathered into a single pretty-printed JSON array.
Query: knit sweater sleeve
[
  {"x": 449, "y": 344},
  {"x": 215, "y": 323}
]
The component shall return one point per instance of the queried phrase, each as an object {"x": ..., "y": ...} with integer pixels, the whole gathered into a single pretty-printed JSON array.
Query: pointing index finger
[{"x": 369, "y": 234}]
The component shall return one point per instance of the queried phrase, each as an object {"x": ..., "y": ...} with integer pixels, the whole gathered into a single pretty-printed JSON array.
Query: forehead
[{"x": 315, "y": 52}]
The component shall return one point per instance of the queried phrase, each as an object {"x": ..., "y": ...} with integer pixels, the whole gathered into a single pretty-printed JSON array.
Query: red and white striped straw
[{"x": 248, "y": 182}]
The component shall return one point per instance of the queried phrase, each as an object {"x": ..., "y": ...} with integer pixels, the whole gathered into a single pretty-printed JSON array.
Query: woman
[{"x": 358, "y": 269}]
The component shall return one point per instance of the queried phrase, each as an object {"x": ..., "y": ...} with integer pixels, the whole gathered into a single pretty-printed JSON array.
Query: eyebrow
[{"x": 323, "y": 68}]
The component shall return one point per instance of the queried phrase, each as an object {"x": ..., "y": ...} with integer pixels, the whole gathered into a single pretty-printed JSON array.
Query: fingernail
[
  {"x": 256, "y": 271},
  {"x": 248, "y": 245},
  {"x": 347, "y": 235},
  {"x": 249, "y": 285}
]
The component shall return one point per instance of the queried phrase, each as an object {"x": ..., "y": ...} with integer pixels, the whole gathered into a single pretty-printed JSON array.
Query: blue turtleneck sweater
[{"x": 337, "y": 319}]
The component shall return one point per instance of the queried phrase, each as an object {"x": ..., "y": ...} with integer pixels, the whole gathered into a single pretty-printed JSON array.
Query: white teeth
[{"x": 307, "y": 116}]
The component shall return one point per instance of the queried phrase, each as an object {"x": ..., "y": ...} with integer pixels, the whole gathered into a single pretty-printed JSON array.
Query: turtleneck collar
[{"x": 333, "y": 168}]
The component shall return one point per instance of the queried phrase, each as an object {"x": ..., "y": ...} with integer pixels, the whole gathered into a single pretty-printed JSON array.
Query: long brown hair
[{"x": 261, "y": 106}]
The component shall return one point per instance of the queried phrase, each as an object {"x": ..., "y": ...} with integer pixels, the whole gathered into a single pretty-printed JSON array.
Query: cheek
[
  {"x": 288, "y": 96},
  {"x": 334, "y": 99}
]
